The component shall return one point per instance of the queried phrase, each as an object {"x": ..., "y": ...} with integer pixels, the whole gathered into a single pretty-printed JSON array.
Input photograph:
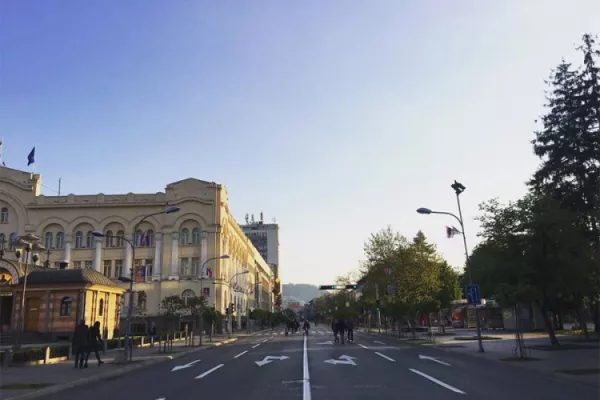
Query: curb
[{"x": 109, "y": 374}]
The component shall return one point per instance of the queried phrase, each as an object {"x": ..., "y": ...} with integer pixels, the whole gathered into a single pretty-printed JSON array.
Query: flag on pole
[
  {"x": 451, "y": 231},
  {"x": 31, "y": 157}
]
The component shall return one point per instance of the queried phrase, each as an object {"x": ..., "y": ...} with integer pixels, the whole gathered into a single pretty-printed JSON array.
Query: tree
[
  {"x": 171, "y": 305},
  {"x": 533, "y": 250},
  {"x": 569, "y": 145}
]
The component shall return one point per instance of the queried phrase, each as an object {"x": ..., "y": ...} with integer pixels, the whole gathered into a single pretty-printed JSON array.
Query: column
[
  {"x": 157, "y": 256},
  {"x": 127, "y": 261},
  {"x": 203, "y": 254},
  {"x": 98, "y": 255},
  {"x": 174, "y": 274},
  {"x": 68, "y": 243}
]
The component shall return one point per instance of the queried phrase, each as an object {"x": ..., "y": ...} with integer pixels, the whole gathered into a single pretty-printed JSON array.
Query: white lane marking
[
  {"x": 363, "y": 346},
  {"x": 257, "y": 344},
  {"x": 210, "y": 371},
  {"x": 432, "y": 379},
  {"x": 305, "y": 375},
  {"x": 265, "y": 340},
  {"x": 241, "y": 354},
  {"x": 433, "y": 359},
  {"x": 384, "y": 356},
  {"x": 378, "y": 342}
]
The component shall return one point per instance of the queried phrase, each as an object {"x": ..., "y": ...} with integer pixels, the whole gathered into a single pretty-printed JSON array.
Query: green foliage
[{"x": 420, "y": 279}]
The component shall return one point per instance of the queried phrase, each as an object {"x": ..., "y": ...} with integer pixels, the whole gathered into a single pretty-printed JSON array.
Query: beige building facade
[{"x": 179, "y": 253}]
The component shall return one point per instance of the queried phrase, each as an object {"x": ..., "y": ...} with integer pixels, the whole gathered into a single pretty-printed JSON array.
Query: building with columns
[{"x": 178, "y": 253}]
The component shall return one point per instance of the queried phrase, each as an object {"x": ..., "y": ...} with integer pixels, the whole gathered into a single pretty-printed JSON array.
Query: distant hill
[{"x": 302, "y": 291}]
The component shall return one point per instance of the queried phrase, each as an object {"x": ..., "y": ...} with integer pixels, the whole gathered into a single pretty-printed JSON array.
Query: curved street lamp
[
  {"x": 458, "y": 189},
  {"x": 128, "y": 350}
]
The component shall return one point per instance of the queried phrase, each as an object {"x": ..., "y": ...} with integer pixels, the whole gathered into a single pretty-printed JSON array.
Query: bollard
[{"x": 47, "y": 355}]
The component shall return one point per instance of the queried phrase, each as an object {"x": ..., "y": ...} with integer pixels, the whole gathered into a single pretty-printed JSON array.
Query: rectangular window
[
  {"x": 118, "y": 268},
  {"x": 107, "y": 268},
  {"x": 149, "y": 269},
  {"x": 77, "y": 264},
  {"x": 89, "y": 264},
  {"x": 196, "y": 266},
  {"x": 184, "y": 267}
]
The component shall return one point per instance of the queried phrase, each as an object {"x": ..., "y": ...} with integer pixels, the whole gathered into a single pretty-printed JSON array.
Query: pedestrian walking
[
  {"x": 95, "y": 343},
  {"x": 81, "y": 338}
]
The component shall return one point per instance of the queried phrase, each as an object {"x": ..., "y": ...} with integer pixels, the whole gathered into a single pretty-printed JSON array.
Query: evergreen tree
[{"x": 569, "y": 143}]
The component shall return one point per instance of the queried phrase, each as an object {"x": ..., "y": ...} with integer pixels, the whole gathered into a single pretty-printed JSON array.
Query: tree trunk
[
  {"x": 549, "y": 326},
  {"x": 581, "y": 319},
  {"x": 595, "y": 308}
]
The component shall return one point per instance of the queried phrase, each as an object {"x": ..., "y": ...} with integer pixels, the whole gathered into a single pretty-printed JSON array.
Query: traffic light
[
  {"x": 227, "y": 311},
  {"x": 328, "y": 287},
  {"x": 377, "y": 304},
  {"x": 353, "y": 286},
  {"x": 232, "y": 308}
]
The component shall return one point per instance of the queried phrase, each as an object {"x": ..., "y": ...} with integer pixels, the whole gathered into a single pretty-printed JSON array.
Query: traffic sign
[{"x": 473, "y": 295}]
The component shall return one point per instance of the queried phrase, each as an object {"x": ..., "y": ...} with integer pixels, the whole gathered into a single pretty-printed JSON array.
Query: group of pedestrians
[
  {"x": 85, "y": 341},
  {"x": 341, "y": 328}
]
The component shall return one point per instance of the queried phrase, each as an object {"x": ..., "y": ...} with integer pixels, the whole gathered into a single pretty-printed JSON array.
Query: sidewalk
[
  {"x": 575, "y": 359},
  {"x": 27, "y": 382}
]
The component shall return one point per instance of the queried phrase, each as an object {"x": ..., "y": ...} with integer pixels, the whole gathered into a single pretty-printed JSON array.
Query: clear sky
[{"x": 338, "y": 118}]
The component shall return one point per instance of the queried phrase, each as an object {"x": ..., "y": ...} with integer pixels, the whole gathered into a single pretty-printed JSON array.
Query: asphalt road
[{"x": 315, "y": 368}]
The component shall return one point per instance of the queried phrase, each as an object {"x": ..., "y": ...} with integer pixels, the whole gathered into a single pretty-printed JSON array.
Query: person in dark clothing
[
  {"x": 334, "y": 329},
  {"x": 296, "y": 325},
  {"x": 341, "y": 329},
  {"x": 306, "y": 327},
  {"x": 94, "y": 344},
  {"x": 350, "y": 327},
  {"x": 80, "y": 343}
]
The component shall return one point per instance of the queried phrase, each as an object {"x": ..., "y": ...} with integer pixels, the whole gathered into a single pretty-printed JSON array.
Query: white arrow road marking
[
  {"x": 241, "y": 354},
  {"x": 329, "y": 342},
  {"x": 384, "y": 356},
  {"x": 210, "y": 371},
  {"x": 162, "y": 398},
  {"x": 432, "y": 379},
  {"x": 178, "y": 367},
  {"x": 433, "y": 359},
  {"x": 378, "y": 342},
  {"x": 347, "y": 360},
  {"x": 363, "y": 346},
  {"x": 269, "y": 359}
]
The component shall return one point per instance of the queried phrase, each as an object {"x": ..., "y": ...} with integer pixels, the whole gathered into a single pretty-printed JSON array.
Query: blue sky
[{"x": 336, "y": 118}]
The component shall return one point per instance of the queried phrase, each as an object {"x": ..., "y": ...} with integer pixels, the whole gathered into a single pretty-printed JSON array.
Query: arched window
[
  {"x": 184, "y": 236},
  {"x": 12, "y": 241},
  {"x": 66, "y": 307},
  {"x": 78, "y": 240},
  {"x": 186, "y": 295},
  {"x": 101, "y": 307},
  {"x": 138, "y": 237},
  {"x": 108, "y": 239},
  {"x": 89, "y": 241},
  {"x": 60, "y": 240},
  {"x": 4, "y": 215},
  {"x": 48, "y": 240},
  {"x": 120, "y": 241},
  {"x": 149, "y": 237},
  {"x": 196, "y": 236}
]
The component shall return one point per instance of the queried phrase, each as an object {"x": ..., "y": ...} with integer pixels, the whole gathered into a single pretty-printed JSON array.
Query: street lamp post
[
  {"x": 29, "y": 241},
  {"x": 230, "y": 315},
  {"x": 128, "y": 350},
  {"x": 458, "y": 189},
  {"x": 377, "y": 299},
  {"x": 202, "y": 277}
]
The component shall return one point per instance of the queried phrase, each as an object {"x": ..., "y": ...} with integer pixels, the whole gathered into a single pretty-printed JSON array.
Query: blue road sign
[{"x": 473, "y": 295}]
